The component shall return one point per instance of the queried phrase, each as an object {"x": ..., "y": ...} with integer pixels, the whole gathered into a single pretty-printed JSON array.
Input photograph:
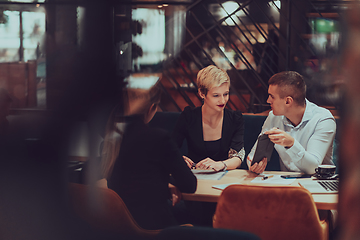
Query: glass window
[
  {"x": 22, "y": 57},
  {"x": 152, "y": 38},
  {"x": 9, "y": 37},
  {"x": 34, "y": 35}
]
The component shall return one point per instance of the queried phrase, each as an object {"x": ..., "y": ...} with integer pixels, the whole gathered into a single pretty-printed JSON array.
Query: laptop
[{"x": 321, "y": 186}]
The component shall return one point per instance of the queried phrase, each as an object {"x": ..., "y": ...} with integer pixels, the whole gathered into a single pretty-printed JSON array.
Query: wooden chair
[
  {"x": 104, "y": 209},
  {"x": 270, "y": 212}
]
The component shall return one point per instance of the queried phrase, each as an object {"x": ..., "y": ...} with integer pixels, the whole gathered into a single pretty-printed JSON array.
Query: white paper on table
[
  {"x": 223, "y": 186},
  {"x": 276, "y": 180},
  {"x": 210, "y": 176}
]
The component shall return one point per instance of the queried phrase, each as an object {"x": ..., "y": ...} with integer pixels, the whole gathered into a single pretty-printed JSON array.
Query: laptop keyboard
[{"x": 330, "y": 185}]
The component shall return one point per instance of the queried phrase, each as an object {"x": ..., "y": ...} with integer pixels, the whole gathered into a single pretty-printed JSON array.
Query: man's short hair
[{"x": 291, "y": 84}]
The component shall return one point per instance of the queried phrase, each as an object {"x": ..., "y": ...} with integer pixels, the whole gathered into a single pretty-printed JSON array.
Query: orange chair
[
  {"x": 104, "y": 209},
  {"x": 270, "y": 212}
]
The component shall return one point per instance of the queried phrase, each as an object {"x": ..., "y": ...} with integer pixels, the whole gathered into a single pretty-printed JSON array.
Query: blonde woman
[
  {"x": 214, "y": 134},
  {"x": 139, "y": 160}
]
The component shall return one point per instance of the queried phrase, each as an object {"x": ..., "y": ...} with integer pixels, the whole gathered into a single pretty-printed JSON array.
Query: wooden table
[{"x": 206, "y": 193}]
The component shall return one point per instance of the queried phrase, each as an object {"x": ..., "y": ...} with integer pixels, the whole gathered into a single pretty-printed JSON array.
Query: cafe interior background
[{"x": 65, "y": 62}]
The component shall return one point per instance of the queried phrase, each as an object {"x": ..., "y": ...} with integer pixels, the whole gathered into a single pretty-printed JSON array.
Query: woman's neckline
[{"x": 217, "y": 140}]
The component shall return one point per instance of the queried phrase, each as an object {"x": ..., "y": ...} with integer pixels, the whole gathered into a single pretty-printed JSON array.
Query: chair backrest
[
  {"x": 282, "y": 212},
  {"x": 104, "y": 209}
]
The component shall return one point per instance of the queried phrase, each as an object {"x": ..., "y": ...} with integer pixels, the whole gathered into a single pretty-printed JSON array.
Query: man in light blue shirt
[{"x": 302, "y": 132}]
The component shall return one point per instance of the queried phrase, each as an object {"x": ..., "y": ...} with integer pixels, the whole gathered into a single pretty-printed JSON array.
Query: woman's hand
[
  {"x": 189, "y": 162},
  {"x": 175, "y": 194},
  {"x": 208, "y": 163},
  {"x": 258, "y": 167}
]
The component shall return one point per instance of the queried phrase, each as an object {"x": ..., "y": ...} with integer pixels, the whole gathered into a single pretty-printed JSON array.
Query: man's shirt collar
[{"x": 306, "y": 117}]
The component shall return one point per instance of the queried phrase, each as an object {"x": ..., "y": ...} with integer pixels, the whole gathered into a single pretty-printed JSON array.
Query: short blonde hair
[{"x": 210, "y": 77}]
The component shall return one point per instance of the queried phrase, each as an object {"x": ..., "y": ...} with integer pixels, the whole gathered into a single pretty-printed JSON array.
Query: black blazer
[
  {"x": 189, "y": 127},
  {"x": 142, "y": 171}
]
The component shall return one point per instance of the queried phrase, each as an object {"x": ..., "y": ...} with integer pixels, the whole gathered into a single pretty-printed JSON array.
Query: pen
[
  {"x": 266, "y": 177},
  {"x": 222, "y": 175}
]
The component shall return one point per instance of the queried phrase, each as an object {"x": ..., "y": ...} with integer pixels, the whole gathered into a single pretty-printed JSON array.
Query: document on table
[
  {"x": 272, "y": 179},
  {"x": 223, "y": 186},
  {"x": 202, "y": 174}
]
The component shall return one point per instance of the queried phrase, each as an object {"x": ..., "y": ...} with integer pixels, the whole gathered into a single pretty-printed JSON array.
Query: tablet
[{"x": 263, "y": 149}]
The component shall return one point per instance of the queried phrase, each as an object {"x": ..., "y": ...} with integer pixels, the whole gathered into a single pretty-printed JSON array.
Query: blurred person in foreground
[
  {"x": 302, "y": 132},
  {"x": 138, "y": 161},
  {"x": 349, "y": 164}
]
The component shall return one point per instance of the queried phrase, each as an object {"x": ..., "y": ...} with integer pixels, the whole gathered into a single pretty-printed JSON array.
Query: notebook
[{"x": 321, "y": 186}]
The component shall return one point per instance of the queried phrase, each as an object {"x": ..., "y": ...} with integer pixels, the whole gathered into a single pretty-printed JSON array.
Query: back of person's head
[
  {"x": 141, "y": 102},
  {"x": 211, "y": 76},
  {"x": 290, "y": 83}
]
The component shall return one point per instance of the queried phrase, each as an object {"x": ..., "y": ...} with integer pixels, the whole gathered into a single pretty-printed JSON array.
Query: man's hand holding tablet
[
  {"x": 263, "y": 152},
  {"x": 258, "y": 167}
]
